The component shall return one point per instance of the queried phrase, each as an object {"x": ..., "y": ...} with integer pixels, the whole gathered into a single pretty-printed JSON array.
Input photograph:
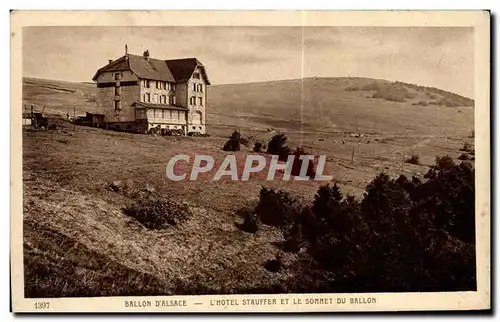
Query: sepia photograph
[{"x": 282, "y": 166}]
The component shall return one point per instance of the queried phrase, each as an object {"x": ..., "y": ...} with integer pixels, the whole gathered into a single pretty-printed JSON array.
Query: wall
[
  {"x": 152, "y": 90},
  {"x": 181, "y": 94},
  {"x": 130, "y": 92},
  {"x": 195, "y": 109},
  {"x": 109, "y": 77}
]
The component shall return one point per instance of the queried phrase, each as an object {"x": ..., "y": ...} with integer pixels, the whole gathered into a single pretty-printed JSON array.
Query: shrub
[
  {"x": 158, "y": 212},
  {"x": 421, "y": 103},
  {"x": 277, "y": 208},
  {"x": 277, "y": 146},
  {"x": 467, "y": 147},
  {"x": 464, "y": 157},
  {"x": 273, "y": 265},
  {"x": 445, "y": 162},
  {"x": 405, "y": 235},
  {"x": 258, "y": 147},
  {"x": 233, "y": 144},
  {"x": 250, "y": 223},
  {"x": 244, "y": 141},
  {"x": 414, "y": 159},
  {"x": 449, "y": 196}
]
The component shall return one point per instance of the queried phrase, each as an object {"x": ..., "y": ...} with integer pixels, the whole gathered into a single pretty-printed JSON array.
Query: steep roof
[
  {"x": 174, "y": 70},
  {"x": 116, "y": 65},
  {"x": 182, "y": 69},
  {"x": 150, "y": 68}
]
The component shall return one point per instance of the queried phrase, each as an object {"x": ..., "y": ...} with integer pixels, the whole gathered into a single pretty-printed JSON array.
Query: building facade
[{"x": 139, "y": 93}]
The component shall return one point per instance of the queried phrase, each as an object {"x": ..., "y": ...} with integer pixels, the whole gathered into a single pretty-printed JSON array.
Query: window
[
  {"x": 200, "y": 101},
  {"x": 118, "y": 105},
  {"x": 118, "y": 76},
  {"x": 162, "y": 114},
  {"x": 148, "y": 97},
  {"x": 164, "y": 99},
  {"x": 171, "y": 116},
  {"x": 155, "y": 99},
  {"x": 194, "y": 87},
  {"x": 200, "y": 88},
  {"x": 157, "y": 84},
  {"x": 196, "y": 75},
  {"x": 117, "y": 90},
  {"x": 192, "y": 100},
  {"x": 146, "y": 83},
  {"x": 194, "y": 127}
]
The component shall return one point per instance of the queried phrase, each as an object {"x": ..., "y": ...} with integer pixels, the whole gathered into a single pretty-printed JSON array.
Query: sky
[{"x": 442, "y": 57}]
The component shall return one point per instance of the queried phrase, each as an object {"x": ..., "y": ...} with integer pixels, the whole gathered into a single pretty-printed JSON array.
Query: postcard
[{"x": 250, "y": 161}]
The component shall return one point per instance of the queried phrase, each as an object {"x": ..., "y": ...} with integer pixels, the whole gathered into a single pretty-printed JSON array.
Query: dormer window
[{"x": 196, "y": 75}]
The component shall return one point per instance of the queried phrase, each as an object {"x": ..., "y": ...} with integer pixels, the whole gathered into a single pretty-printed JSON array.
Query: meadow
[{"x": 78, "y": 240}]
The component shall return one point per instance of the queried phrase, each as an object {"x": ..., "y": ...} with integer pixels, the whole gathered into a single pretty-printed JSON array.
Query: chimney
[
  {"x": 146, "y": 55},
  {"x": 110, "y": 61},
  {"x": 126, "y": 49}
]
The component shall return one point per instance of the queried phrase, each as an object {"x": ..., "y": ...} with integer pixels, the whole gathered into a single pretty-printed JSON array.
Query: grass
[{"x": 74, "y": 223}]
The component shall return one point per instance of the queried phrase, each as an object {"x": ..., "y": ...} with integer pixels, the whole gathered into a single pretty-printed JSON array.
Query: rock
[
  {"x": 150, "y": 188},
  {"x": 116, "y": 186}
]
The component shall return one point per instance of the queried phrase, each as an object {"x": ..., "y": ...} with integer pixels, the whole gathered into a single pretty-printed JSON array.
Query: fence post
[
  {"x": 352, "y": 155},
  {"x": 74, "y": 118}
]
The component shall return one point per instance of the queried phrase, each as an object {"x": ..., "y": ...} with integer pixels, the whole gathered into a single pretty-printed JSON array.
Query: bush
[
  {"x": 277, "y": 208},
  {"x": 273, "y": 265},
  {"x": 244, "y": 141},
  {"x": 233, "y": 144},
  {"x": 464, "y": 157},
  {"x": 277, "y": 146},
  {"x": 250, "y": 223},
  {"x": 258, "y": 147},
  {"x": 445, "y": 162},
  {"x": 414, "y": 159},
  {"x": 467, "y": 148},
  {"x": 158, "y": 212},
  {"x": 421, "y": 103},
  {"x": 405, "y": 235}
]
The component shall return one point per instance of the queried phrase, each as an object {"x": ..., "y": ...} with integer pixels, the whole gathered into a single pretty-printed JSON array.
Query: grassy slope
[{"x": 71, "y": 216}]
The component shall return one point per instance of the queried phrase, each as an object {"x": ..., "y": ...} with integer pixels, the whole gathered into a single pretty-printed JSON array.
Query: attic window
[
  {"x": 118, "y": 76},
  {"x": 196, "y": 75}
]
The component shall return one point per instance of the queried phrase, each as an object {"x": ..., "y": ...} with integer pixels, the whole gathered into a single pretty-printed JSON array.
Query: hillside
[
  {"x": 331, "y": 105},
  {"x": 79, "y": 241}
]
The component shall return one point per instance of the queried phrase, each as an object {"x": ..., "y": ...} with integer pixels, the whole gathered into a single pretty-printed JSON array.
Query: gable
[{"x": 182, "y": 69}]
